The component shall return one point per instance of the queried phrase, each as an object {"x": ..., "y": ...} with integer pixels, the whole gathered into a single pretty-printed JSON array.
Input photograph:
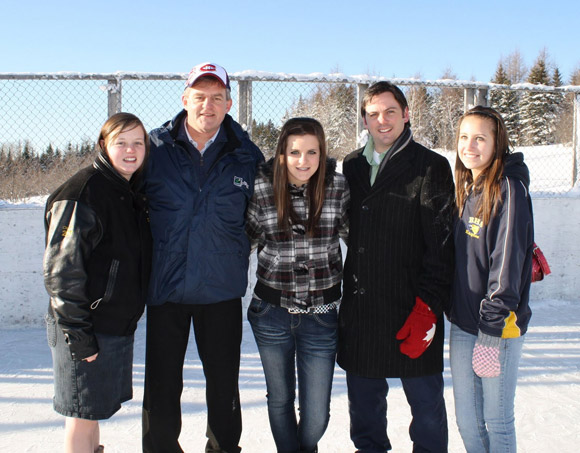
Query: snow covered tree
[
  {"x": 564, "y": 126},
  {"x": 421, "y": 116},
  {"x": 560, "y": 131},
  {"x": 506, "y": 102},
  {"x": 334, "y": 105},
  {"x": 447, "y": 107},
  {"x": 537, "y": 116}
]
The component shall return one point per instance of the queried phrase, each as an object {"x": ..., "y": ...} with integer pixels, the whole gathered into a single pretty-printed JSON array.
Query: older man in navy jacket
[{"x": 200, "y": 176}]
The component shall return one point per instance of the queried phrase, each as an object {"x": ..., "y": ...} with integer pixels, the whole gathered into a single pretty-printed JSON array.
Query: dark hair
[
  {"x": 316, "y": 184},
  {"x": 121, "y": 122},
  {"x": 384, "y": 87},
  {"x": 488, "y": 181}
]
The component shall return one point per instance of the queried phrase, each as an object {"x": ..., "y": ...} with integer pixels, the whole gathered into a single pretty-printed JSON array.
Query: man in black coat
[{"x": 397, "y": 276}]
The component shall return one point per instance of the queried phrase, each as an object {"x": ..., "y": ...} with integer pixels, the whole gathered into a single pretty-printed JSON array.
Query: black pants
[{"x": 218, "y": 334}]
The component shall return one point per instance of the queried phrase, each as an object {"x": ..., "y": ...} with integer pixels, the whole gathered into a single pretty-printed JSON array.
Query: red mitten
[{"x": 418, "y": 330}]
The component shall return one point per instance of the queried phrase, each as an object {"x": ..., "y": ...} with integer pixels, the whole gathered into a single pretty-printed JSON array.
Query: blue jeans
[
  {"x": 484, "y": 407},
  {"x": 367, "y": 405},
  {"x": 309, "y": 340}
]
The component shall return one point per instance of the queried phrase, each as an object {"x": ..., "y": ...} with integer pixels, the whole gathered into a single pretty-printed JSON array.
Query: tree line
[
  {"x": 26, "y": 173},
  {"x": 532, "y": 118}
]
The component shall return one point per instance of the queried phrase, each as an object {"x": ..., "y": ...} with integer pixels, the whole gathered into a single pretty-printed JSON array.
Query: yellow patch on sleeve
[
  {"x": 66, "y": 231},
  {"x": 511, "y": 329}
]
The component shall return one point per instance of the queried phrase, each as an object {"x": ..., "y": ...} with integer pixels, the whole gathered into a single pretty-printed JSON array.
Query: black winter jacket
[
  {"x": 491, "y": 288},
  {"x": 400, "y": 246},
  {"x": 97, "y": 258}
]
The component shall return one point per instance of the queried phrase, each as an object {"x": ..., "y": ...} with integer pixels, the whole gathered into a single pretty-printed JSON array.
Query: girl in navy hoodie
[{"x": 494, "y": 236}]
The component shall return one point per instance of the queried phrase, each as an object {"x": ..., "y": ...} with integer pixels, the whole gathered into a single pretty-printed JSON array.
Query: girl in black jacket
[
  {"x": 494, "y": 235},
  {"x": 96, "y": 270}
]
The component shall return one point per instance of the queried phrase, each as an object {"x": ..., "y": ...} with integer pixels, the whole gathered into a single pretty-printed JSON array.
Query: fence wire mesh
[{"x": 59, "y": 117}]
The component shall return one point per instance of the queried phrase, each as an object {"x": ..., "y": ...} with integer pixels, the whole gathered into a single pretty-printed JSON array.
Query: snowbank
[{"x": 23, "y": 299}]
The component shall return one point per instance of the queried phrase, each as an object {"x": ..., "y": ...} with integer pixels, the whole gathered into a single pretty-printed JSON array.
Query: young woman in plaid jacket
[{"x": 296, "y": 216}]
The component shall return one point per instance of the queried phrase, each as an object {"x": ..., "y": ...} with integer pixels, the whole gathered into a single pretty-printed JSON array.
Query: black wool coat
[{"x": 400, "y": 246}]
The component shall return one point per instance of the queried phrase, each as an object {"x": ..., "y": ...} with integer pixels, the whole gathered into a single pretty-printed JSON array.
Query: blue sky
[{"x": 384, "y": 38}]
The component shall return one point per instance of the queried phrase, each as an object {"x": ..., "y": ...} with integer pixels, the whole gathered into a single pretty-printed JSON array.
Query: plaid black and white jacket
[{"x": 295, "y": 270}]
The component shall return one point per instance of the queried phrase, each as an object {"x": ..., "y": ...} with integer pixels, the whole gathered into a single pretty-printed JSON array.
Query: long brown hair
[
  {"x": 316, "y": 184},
  {"x": 488, "y": 181}
]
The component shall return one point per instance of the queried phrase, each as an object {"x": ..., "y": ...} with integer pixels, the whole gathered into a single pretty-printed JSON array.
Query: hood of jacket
[{"x": 516, "y": 168}]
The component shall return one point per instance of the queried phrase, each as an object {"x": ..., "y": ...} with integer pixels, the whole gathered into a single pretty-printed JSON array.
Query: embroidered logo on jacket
[
  {"x": 474, "y": 226},
  {"x": 239, "y": 182},
  {"x": 66, "y": 231}
]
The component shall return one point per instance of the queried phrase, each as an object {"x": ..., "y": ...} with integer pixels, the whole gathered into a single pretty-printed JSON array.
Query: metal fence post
[
  {"x": 360, "y": 92},
  {"x": 575, "y": 139},
  {"x": 245, "y": 104},
  {"x": 114, "y": 95},
  {"x": 468, "y": 98},
  {"x": 481, "y": 97}
]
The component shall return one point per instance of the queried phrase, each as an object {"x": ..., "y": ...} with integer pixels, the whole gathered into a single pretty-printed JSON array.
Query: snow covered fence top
[{"x": 265, "y": 76}]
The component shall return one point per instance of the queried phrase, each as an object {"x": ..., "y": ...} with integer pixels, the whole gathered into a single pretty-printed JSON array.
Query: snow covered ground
[{"x": 547, "y": 401}]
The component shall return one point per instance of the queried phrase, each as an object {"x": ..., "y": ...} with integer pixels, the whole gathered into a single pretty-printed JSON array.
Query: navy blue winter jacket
[
  {"x": 493, "y": 263},
  {"x": 200, "y": 248}
]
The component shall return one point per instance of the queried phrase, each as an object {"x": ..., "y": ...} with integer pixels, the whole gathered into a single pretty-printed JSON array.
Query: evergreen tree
[
  {"x": 565, "y": 123},
  {"x": 265, "y": 136},
  {"x": 558, "y": 111},
  {"x": 506, "y": 103},
  {"x": 47, "y": 158},
  {"x": 27, "y": 151},
  {"x": 536, "y": 113}
]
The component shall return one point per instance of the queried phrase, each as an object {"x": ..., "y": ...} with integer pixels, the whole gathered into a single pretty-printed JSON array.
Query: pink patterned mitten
[{"x": 485, "y": 360}]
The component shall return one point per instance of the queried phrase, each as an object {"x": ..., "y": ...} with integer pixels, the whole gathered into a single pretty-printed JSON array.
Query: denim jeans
[
  {"x": 309, "y": 341},
  {"x": 484, "y": 407},
  {"x": 367, "y": 406}
]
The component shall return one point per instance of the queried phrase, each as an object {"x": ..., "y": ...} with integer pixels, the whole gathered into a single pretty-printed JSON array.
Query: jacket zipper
[{"x": 110, "y": 285}]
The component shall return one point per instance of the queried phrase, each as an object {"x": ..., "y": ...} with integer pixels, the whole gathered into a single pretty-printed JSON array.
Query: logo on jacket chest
[{"x": 474, "y": 225}]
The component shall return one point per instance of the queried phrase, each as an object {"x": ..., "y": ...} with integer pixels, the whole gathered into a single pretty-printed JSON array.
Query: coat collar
[{"x": 395, "y": 167}]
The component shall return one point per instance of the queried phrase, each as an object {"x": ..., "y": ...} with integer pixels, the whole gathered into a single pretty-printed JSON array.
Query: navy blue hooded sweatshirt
[{"x": 493, "y": 262}]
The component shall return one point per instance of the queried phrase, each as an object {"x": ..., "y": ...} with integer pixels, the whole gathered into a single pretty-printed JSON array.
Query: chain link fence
[{"x": 61, "y": 114}]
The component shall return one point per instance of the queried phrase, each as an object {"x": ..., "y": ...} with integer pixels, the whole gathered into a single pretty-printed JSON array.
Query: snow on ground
[{"x": 547, "y": 401}]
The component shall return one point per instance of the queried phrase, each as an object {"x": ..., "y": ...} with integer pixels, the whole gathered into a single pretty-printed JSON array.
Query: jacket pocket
[
  {"x": 50, "y": 330},
  {"x": 113, "y": 272}
]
